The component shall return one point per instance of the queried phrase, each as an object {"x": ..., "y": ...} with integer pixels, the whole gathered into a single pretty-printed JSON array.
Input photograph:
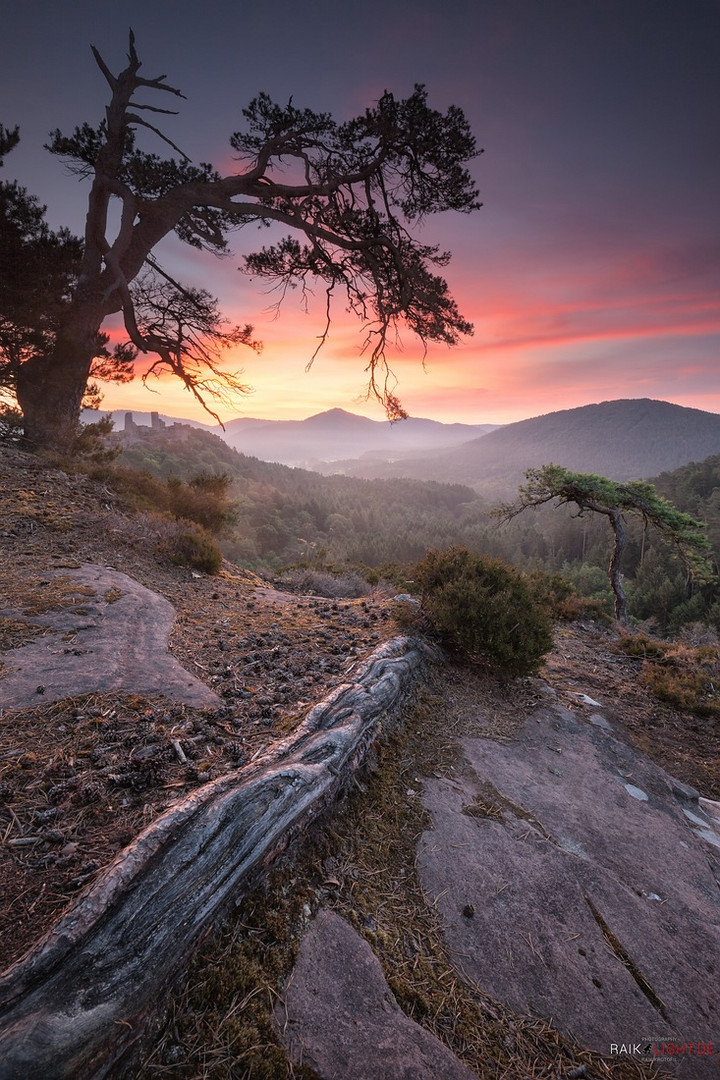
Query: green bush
[
  {"x": 483, "y": 608},
  {"x": 192, "y": 546},
  {"x": 559, "y": 598},
  {"x": 203, "y": 500}
]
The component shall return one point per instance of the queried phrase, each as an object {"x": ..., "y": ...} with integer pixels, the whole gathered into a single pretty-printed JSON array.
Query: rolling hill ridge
[
  {"x": 322, "y": 439},
  {"x": 625, "y": 439}
]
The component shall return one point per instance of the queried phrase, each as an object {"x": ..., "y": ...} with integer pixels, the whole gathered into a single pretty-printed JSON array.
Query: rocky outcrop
[
  {"x": 587, "y": 889},
  {"x": 106, "y": 632},
  {"x": 340, "y": 1017}
]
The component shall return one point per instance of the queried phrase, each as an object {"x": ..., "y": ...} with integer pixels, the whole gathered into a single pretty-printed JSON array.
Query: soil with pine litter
[{"x": 80, "y": 777}]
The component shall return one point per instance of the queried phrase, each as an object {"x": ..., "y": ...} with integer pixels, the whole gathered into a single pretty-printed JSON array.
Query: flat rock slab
[
  {"x": 579, "y": 882},
  {"x": 114, "y": 636},
  {"x": 340, "y": 1017}
]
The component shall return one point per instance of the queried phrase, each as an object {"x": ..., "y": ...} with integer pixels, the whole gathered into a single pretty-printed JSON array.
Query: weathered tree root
[{"x": 76, "y": 1004}]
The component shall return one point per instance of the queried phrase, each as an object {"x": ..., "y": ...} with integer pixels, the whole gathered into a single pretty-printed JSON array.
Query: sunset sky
[{"x": 592, "y": 271}]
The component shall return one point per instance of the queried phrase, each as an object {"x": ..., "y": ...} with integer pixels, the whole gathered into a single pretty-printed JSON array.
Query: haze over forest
[
  {"x": 368, "y": 524},
  {"x": 623, "y": 439}
]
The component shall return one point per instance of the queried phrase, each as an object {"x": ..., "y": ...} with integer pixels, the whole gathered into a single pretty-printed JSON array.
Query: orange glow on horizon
[{"x": 548, "y": 344}]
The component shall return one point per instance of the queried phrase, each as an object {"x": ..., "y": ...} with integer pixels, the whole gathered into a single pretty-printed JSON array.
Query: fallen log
[{"x": 76, "y": 1004}]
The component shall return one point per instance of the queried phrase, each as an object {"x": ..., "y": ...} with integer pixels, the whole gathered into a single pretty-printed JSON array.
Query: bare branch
[
  {"x": 324, "y": 336},
  {"x": 131, "y": 118},
  {"x": 158, "y": 84},
  {"x": 155, "y": 109},
  {"x": 110, "y": 78},
  {"x": 190, "y": 295}
]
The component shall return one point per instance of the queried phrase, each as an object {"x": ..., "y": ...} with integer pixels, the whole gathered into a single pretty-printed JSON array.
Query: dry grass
[
  {"x": 617, "y": 670},
  {"x": 686, "y": 676}
]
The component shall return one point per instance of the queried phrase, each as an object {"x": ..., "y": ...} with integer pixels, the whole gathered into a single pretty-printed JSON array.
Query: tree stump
[{"x": 77, "y": 1003}]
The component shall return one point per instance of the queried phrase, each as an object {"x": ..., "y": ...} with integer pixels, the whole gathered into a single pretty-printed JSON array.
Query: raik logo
[{"x": 629, "y": 1049}]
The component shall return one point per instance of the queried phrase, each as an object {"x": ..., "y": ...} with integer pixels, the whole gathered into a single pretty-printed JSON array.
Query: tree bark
[
  {"x": 50, "y": 387},
  {"x": 615, "y": 568},
  {"x": 77, "y": 1003},
  {"x": 50, "y": 397}
]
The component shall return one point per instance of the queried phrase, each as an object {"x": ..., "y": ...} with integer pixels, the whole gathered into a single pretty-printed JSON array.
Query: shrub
[
  {"x": 642, "y": 646},
  {"x": 683, "y": 675},
  {"x": 408, "y": 614},
  {"x": 691, "y": 690},
  {"x": 138, "y": 491},
  {"x": 483, "y": 608},
  {"x": 203, "y": 499},
  {"x": 347, "y": 584},
  {"x": 190, "y": 545},
  {"x": 559, "y": 598}
]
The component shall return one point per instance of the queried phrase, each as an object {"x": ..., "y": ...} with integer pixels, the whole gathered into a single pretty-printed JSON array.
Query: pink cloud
[{"x": 549, "y": 333}]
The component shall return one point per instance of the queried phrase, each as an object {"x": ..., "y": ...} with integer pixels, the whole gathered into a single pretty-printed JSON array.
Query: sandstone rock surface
[
  {"x": 593, "y": 877},
  {"x": 340, "y": 1017},
  {"x": 109, "y": 633}
]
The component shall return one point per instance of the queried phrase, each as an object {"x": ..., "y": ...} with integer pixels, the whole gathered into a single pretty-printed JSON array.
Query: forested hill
[
  {"x": 625, "y": 439},
  {"x": 695, "y": 489},
  {"x": 287, "y": 514}
]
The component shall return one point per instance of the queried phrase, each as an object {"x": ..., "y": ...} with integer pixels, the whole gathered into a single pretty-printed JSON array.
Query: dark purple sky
[{"x": 593, "y": 269}]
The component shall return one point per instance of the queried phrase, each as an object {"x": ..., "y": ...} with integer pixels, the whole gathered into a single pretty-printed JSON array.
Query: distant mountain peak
[
  {"x": 339, "y": 417},
  {"x": 337, "y": 435},
  {"x": 337, "y": 412}
]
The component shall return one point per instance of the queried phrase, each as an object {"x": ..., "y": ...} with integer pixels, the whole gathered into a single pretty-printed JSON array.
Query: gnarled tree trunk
[
  {"x": 50, "y": 387},
  {"x": 76, "y": 1004},
  {"x": 615, "y": 568}
]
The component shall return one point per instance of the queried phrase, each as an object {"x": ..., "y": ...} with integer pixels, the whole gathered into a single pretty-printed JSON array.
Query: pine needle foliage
[{"x": 617, "y": 502}]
